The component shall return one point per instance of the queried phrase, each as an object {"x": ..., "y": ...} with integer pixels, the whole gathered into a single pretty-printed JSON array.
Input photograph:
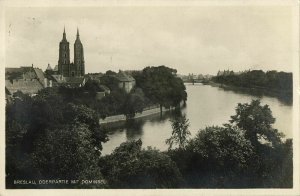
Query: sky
[{"x": 198, "y": 39}]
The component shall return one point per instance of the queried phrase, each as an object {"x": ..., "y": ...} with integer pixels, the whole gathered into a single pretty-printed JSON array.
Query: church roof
[
  {"x": 74, "y": 80},
  {"x": 58, "y": 78}
]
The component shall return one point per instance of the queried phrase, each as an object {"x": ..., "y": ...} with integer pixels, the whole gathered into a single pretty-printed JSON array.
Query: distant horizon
[
  {"x": 201, "y": 39},
  {"x": 160, "y": 65}
]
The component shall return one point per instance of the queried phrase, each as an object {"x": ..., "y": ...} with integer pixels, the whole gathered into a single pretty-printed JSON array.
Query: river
[{"x": 206, "y": 106}]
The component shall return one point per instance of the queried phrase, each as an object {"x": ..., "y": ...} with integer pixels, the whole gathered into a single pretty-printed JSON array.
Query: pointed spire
[
  {"x": 77, "y": 33},
  {"x": 64, "y": 34}
]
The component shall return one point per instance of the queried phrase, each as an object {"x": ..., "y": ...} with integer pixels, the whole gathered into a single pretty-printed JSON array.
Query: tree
[
  {"x": 180, "y": 132},
  {"x": 47, "y": 127},
  {"x": 67, "y": 153},
  {"x": 110, "y": 80},
  {"x": 162, "y": 86},
  {"x": 134, "y": 103},
  {"x": 217, "y": 157},
  {"x": 131, "y": 167},
  {"x": 112, "y": 104},
  {"x": 79, "y": 114},
  {"x": 226, "y": 145},
  {"x": 257, "y": 121}
]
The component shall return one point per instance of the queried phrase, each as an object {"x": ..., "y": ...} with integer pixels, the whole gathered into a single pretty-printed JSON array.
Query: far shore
[{"x": 284, "y": 96}]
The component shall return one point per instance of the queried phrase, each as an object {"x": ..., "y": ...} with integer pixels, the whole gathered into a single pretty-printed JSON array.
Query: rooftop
[{"x": 123, "y": 77}]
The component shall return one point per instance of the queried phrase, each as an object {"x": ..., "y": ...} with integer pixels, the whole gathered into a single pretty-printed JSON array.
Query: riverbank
[
  {"x": 283, "y": 96},
  {"x": 122, "y": 117}
]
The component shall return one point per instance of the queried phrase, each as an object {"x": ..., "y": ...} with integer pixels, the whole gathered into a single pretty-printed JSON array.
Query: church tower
[
  {"x": 64, "y": 56},
  {"x": 78, "y": 56}
]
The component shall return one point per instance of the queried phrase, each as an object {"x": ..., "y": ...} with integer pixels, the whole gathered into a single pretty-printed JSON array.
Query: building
[
  {"x": 72, "y": 82},
  {"x": 28, "y": 80},
  {"x": 102, "y": 91},
  {"x": 66, "y": 73},
  {"x": 65, "y": 67},
  {"x": 125, "y": 81}
]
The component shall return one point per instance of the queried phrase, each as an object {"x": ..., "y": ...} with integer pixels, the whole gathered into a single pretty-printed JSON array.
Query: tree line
[
  {"x": 271, "y": 80},
  {"x": 154, "y": 86}
]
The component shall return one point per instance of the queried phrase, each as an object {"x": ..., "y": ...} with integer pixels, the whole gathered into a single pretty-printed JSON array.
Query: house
[
  {"x": 102, "y": 92},
  {"x": 73, "y": 82},
  {"x": 28, "y": 80},
  {"x": 126, "y": 81},
  {"x": 95, "y": 76}
]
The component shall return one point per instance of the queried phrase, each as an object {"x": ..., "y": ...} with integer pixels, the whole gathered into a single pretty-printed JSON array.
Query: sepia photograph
[{"x": 161, "y": 96}]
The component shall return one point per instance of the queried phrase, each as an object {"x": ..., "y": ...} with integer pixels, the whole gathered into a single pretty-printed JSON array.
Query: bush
[{"x": 131, "y": 167}]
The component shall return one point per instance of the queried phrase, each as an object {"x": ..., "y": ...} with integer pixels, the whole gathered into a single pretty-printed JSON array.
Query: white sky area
[{"x": 199, "y": 39}]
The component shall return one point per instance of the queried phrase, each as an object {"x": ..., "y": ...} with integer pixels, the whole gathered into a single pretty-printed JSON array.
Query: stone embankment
[{"x": 122, "y": 117}]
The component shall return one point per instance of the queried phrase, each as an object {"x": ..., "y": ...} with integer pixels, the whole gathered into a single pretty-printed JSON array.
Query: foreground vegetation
[
  {"x": 239, "y": 154},
  {"x": 47, "y": 138}
]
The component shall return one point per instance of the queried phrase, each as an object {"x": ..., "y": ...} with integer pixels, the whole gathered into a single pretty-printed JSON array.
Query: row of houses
[{"x": 30, "y": 80}]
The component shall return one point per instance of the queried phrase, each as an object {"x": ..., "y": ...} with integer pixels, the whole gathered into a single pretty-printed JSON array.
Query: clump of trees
[
  {"x": 257, "y": 122},
  {"x": 154, "y": 85},
  {"x": 130, "y": 166},
  {"x": 161, "y": 86},
  {"x": 240, "y": 154},
  {"x": 272, "y": 80},
  {"x": 49, "y": 138}
]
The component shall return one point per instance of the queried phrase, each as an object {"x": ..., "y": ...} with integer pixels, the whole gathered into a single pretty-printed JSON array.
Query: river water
[{"x": 206, "y": 106}]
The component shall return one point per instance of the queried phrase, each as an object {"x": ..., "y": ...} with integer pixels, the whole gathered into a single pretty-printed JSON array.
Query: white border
[{"x": 78, "y": 3}]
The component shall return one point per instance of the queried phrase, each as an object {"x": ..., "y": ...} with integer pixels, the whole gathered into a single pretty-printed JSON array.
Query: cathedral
[{"x": 65, "y": 67}]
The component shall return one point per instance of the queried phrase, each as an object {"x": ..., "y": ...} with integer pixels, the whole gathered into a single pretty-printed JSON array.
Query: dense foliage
[
  {"x": 272, "y": 80},
  {"x": 161, "y": 86},
  {"x": 257, "y": 121},
  {"x": 154, "y": 85},
  {"x": 131, "y": 167},
  {"x": 47, "y": 137}
]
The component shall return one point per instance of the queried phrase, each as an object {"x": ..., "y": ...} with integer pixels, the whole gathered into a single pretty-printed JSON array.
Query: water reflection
[{"x": 134, "y": 129}]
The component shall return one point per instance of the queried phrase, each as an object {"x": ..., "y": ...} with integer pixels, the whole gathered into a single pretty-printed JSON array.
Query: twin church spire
[
  {"x": 65, "y": 68},
  {"x": 65, "y": 37}
]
